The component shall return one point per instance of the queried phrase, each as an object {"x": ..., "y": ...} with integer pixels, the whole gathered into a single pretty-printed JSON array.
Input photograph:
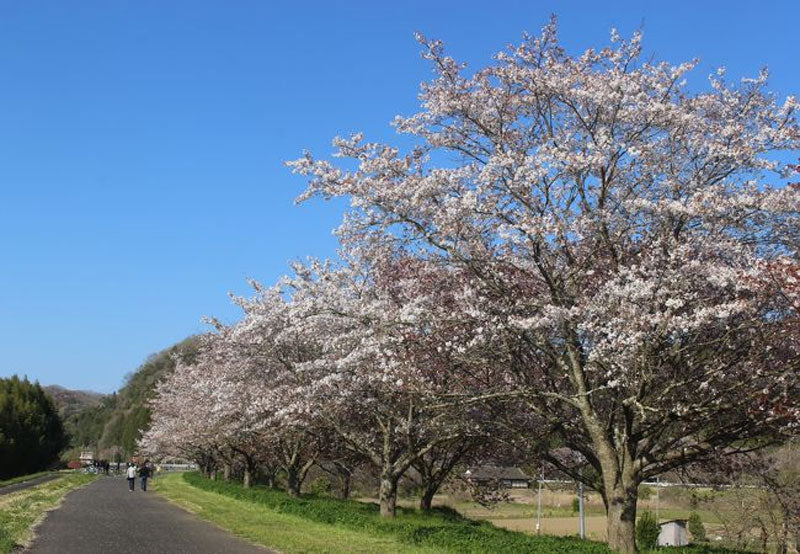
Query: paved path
[
  {"x": 25, "y": 484},
  {"x": 104, "y": 518}
]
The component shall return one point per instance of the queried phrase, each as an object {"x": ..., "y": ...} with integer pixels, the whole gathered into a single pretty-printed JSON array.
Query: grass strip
[
  {"x": 442, "y": 530},
  {"x": 22, "y": 478},
  {"x": 20, "y": 511},
  {"x": 285, "y": 532}
]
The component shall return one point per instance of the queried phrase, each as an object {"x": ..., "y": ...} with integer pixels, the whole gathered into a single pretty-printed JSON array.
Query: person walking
[
  {"x": 131, "y": 477},
  {"x": 144, "y": 473}
]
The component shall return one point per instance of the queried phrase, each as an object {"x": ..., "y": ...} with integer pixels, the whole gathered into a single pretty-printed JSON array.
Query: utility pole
[
  {"x": 539, "y": 503},
  {"x": 581, "y": 514},
  {"x": 658, "y": 494}
]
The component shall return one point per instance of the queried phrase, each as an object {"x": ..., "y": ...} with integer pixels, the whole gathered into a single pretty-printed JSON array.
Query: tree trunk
[
  {"x": 783, "y": 540},
  {"x": 344, "y": 485},
  {"x": 388, "y": 495},
  {"x": 247, "y": 479},
  {"x": 226, "y": 471},
  {"x": 292, "y": 482},
  {"x": 426, "y": 501},
  {"x": 621, "y": 520}
]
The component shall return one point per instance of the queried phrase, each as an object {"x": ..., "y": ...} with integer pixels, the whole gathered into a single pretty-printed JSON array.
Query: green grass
[
  {"x": 260, "y": 524},
  {"x": 22, "y": 478},
  {"x": 21, "y": 510},
  {"x": 322, "y": 524}
]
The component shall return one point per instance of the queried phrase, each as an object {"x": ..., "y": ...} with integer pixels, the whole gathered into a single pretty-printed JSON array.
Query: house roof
[
  {"x": 496, "y": 472},
  {"x": 675, "y": 521}
]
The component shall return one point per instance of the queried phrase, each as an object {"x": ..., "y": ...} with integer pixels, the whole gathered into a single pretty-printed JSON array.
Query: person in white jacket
[{"x": 131, "y": 473}]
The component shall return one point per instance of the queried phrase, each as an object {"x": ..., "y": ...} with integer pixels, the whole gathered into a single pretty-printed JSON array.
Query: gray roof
[
  {"x": 488, "y": 473},
  {"x": 676, "y": 521}
]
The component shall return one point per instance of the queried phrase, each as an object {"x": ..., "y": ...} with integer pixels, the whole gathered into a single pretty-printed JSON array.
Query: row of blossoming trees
[{"x": 571, "y": 255}]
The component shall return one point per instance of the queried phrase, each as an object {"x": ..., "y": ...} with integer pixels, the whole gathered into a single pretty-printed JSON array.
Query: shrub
[
  {"x": 321, "y": 486},
  {"x": 576, "y": 504},
  {"x": 647, "y": 530},
  {"x": 696, "y": 527}
]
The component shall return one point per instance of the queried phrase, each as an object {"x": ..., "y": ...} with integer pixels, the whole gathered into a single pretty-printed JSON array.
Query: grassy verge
[
  {"x": 323, "y": 524},
  {"x": 22, "y": 478},
  {"x": 263, "y": 525},
  {"x": 21, "y": 510},
  {"x": 349, "y": 526}
]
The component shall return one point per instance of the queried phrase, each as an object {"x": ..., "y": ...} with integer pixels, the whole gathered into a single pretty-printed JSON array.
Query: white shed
[{"x": 673, "y": 533}]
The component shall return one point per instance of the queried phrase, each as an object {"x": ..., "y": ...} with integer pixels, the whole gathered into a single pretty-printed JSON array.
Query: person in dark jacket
[{"x": 144, "y": 473}]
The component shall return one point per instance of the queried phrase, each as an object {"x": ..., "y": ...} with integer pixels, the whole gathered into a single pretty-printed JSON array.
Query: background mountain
[
  {"x": 71, "y": 402},
  {"x": 110, "y": 425}
]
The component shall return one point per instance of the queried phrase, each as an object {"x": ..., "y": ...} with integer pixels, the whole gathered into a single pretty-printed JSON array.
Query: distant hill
[
  {"x": 112, "y": 424},
  {"x": 70, "y": 402}
]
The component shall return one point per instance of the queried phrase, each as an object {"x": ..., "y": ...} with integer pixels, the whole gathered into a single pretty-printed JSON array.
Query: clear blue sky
[{"x": 142, "y": 143}]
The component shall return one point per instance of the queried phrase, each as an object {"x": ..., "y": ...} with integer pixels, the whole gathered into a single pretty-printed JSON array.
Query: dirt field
[{"x": 595, "y": 526}]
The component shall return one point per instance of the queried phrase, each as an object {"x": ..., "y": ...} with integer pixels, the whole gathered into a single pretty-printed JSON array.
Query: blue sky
[{"x": 142, "y": 143}]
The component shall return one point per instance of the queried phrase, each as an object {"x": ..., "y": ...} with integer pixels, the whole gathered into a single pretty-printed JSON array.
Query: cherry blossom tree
[
  {"x": 231, "y": 402},
  {"x": 340, "y": 462},
  {"x": 615, "y": 225},
  {"x": 382, "y": 328},
  {"x": 436, "y": 466},
  {"x": 271, "y": 356},
  {"x": 185, "y": 413}
]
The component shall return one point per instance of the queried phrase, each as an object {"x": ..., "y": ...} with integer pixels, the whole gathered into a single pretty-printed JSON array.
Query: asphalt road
[
  {"x": 104, "y": 518},
  {"x": 25, "y": 484}
]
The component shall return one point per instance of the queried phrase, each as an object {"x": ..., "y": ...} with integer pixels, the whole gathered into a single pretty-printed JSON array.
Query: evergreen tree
[{"x": 31, "y": 433}]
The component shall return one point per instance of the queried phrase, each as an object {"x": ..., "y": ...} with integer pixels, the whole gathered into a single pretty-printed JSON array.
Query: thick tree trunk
[
  {"x": 619, "y": 478},
  {"x": 292, "y": 482},
  {"x": 388, "y": 495},
  {"x": 426, "y": 500},
  {"x": 248, "y": 477},
  {"x": 621, "y": 520},
  {"x": 226, "y": 471}
]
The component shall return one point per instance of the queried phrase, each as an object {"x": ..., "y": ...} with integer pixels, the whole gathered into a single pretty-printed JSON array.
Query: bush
[
  {"x": 321, "y": 486},
  {"x": 647, "y": 530},
  {"x": 576, "y": 504},
  {"x": 696, "y": 527}
]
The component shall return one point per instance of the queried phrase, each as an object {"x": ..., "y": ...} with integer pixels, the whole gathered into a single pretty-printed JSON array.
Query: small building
[
  {"x": 506, "y": 477},
  {"x": 673, "y": 533},
  {"x": 87, "y": 457}
]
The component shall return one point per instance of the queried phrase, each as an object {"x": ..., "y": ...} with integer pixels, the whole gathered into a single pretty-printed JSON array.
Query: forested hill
[
  {"x": 71, "y": 402},
  {"x": 113, "y": 424}
]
